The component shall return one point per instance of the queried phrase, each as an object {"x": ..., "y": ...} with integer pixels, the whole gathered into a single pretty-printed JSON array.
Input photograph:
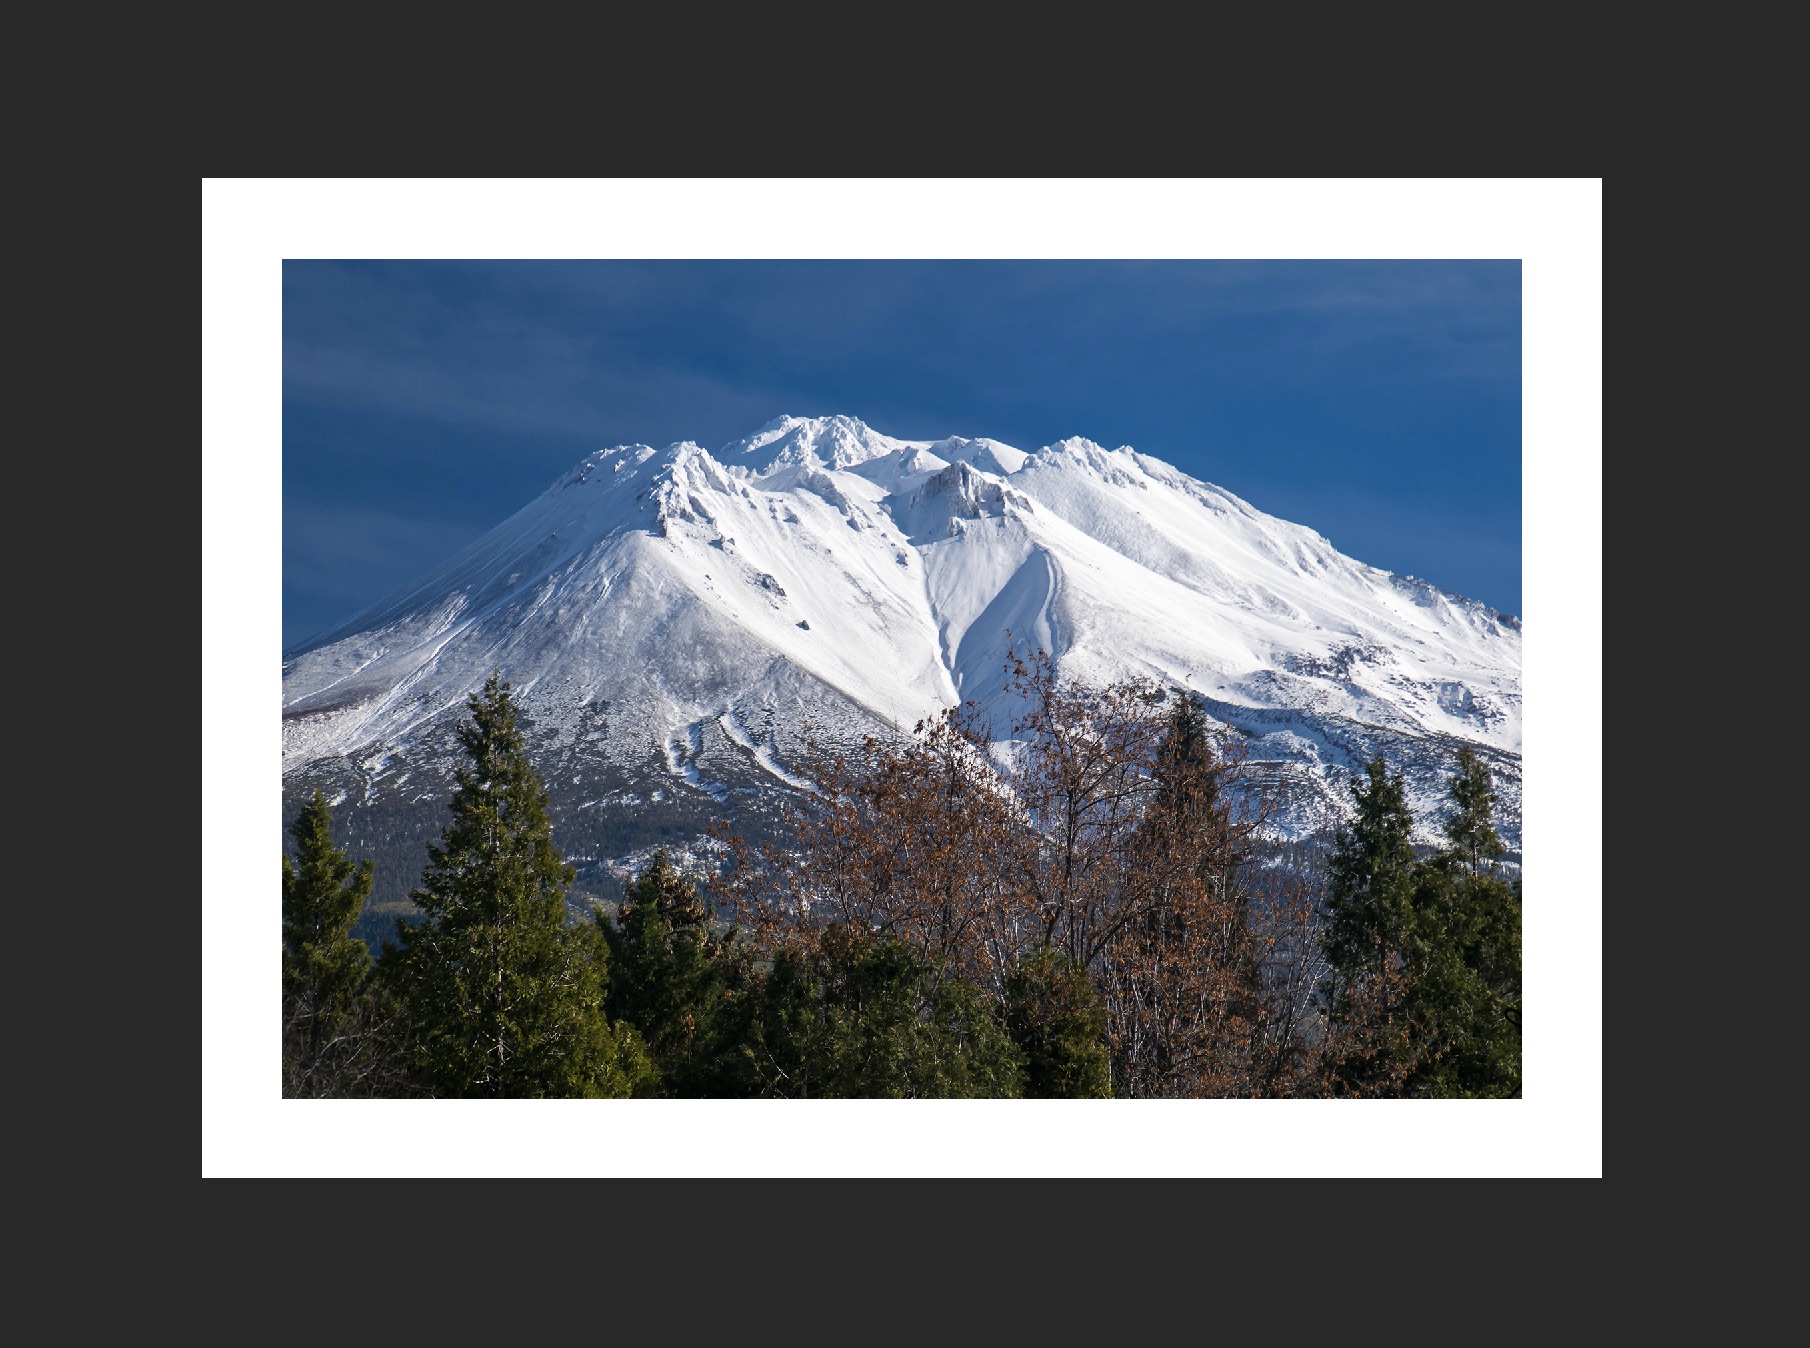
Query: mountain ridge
[{"x": 677, "y": 621}]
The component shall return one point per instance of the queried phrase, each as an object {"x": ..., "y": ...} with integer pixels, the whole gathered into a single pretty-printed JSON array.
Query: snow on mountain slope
[{"x": 674, "y": 620}]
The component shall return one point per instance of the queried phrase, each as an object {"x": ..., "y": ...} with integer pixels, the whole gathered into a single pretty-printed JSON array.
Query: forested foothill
[{"x": 1089, "y": 911}]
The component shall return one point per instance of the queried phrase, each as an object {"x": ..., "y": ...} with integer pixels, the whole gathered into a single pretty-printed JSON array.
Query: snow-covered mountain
[{"x": 673, "y": 619}]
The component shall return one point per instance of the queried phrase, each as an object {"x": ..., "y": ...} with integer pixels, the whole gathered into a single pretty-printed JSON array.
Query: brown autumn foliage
[
  {"x": 1370, "y": 1047},
  {"x": 1109, "y": 831}
]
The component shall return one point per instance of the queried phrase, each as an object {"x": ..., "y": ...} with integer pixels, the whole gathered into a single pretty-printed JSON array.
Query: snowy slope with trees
[{"x": 676, "y": 621}]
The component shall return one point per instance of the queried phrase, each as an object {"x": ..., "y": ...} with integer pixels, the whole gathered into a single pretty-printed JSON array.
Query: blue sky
[{"x": 1378, "y": 402}]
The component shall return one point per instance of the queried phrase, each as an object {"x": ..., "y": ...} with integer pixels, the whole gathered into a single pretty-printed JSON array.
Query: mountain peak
[
  {"x": 832, "y": 442},
  {"x": 673, "y": 614},
  {"x": 991, "y": 456}
]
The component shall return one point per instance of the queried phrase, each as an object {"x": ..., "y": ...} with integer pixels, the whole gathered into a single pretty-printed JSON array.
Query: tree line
[{"x": 1084, "y": 913}]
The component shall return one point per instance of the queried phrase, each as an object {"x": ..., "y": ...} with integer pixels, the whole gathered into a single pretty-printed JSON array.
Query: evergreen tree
[
  {"x": 1426, "y": 956},
  {"x": 1188, "y": 772},
  {"x": 776, "y": 1032},
  {"x": 1188, "y": 819},
  {"x": 860, "y": 1016},
  {"x": 1182, "y": 980},
  {"x": 1471, "y": 831},
  {"x": 668, "y": 974},
  {"x": 1372, "y": 878},
  {"x": 1464, "y": 998},
  {"x": 503, "y": 998},
  {"x": 323, "y": 966},
  {"x": 1055, "y": 1019}
]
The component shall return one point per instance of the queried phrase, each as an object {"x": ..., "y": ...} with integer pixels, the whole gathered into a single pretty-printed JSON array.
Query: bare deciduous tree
[{"x": 1105, "y": 826}]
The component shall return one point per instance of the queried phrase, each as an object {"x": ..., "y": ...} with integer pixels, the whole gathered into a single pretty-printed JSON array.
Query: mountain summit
[{"x": 674, "y": 619}]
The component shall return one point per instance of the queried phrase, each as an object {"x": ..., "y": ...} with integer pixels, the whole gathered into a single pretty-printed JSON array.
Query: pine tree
[
  {"x": 1181, "y": 980},
  {"x": 1464, "y": 997},
  {"x": 856, "y": 1016},
  {"x": 503, "y": 998},
  {"x": 1370, "y": 890},
  {"x": 1370, "y": 907},
  {"x": 1426, "y": 954},
  {"x": 1187, "y": 769},
  {"x": 1055, "y": 1019},
  {"x": 323, "y": 966},
  {"x": 668, "y": 974},
  {"x": 1471, "y": 831}
]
